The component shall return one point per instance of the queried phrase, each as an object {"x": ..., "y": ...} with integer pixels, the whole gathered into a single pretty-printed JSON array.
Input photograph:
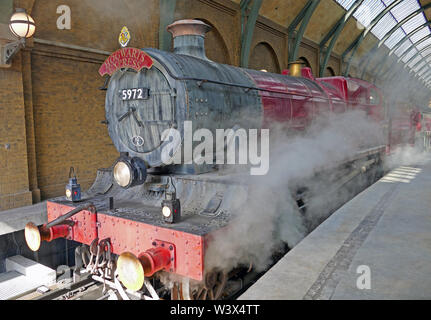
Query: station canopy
[{"x": 404, "y": 30}]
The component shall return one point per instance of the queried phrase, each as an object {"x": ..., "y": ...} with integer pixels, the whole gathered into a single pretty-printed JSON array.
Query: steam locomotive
[{"x": 149, "y": 216}]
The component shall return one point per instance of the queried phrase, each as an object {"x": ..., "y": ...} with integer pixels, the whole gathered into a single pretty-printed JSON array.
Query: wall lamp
[{"x": 22, "y": 26}]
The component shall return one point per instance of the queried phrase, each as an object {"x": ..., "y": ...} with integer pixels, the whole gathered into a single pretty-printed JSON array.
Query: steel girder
[
  {"x": 400, "y": 43},
  {"x": 405, "y": 53},
  {"x": 418, "y": 64},
  {"x": 424, "y": 49},
  {"x": 334, "y": 33},
  {"x": 426, "y": 74},
  {"x": 422, "y": 70},
  {"x": 167, "y": 12},
  {"x": 302, "y": 18},
  {"x": 250, "y": 11},
  {"x": 357, "y": 42},
  {"x": 373, "y": 51}
]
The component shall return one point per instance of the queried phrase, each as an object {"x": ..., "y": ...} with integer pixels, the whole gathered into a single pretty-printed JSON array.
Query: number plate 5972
[{"x": 135, "y": 94}]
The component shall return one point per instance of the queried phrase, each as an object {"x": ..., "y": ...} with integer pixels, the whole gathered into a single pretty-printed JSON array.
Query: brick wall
[
  {"x": 14, "y": 187},
  {"x": 68, "y": 108}
]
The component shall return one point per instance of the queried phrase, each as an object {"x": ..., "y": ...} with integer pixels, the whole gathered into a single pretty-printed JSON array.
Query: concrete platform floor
[
  {"x": 15, "y": 219},
  {"x": 380, "y": 240}
]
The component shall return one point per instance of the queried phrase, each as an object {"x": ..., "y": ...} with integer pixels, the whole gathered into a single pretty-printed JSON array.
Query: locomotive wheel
[{"x": 212, "y": 289}]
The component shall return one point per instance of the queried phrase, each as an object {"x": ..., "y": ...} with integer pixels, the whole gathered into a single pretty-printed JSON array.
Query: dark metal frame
[
  {"x": 367, "y": 59},
  {"x": 352, "y": 49},
  {"x": 424, "y": 49},
  {"x": 10, "y": 50},
  {"x": 418, "y": 63},
  {"x": 426, "y": 74},
  {"x": 295, "y": 37},
  {"x": 167, "y": 12},
  {"x": 420, "y": 72},
  {"x": 250, "y": 11},
  {"x": 334, "y": 33}
]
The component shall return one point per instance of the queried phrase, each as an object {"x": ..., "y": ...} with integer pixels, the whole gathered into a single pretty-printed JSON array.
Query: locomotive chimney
[{"x": 189, "y": 37}]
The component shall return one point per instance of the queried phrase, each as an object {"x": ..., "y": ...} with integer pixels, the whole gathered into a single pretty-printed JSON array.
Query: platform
[
  {"x": 385, "y": 230},
  {"x": 15, "y": 219},
  {"x": 22, "y": 276}
]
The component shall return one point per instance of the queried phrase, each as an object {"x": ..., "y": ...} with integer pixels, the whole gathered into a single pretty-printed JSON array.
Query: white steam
[{"x": 270, "y": 215}]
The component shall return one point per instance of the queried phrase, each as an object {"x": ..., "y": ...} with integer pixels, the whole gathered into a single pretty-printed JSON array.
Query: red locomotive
[{"x": 160, "y": 218}]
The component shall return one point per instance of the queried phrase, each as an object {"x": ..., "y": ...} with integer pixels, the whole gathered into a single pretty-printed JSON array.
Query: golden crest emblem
[{"x": 124, "y": 37}]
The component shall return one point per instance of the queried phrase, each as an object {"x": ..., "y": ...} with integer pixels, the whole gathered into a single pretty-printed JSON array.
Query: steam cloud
[{"x": 270, "y": 217}]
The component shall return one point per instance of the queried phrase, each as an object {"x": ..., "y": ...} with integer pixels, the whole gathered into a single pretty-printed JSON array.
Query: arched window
[
  {"x": 329, "y": 72},
  {"x": 306, "y": 63},
  {"x": 263, "y": 57}
]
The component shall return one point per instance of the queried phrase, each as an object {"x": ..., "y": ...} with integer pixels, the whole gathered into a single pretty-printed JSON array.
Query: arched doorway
[
  {"x": 215, "y": 46},
  {"x": 306, "y": 62},
  {"x": 329, "y": 72},
  {"x": 263, "y": 57}
]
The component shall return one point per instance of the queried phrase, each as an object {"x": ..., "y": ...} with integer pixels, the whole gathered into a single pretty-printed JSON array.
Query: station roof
[{"x": 404, "y": 30}]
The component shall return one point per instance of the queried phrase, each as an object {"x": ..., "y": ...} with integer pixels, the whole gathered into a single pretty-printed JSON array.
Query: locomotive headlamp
[
  {"x": 122, "y": 174},
  {"x": 73, "y": 189},
  {"x": 129, "y": 172},
  {"x": 171, "y": 207},
  {"x": 22, "y": 26}
]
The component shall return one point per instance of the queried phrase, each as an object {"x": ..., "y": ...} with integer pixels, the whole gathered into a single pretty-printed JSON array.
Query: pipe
[{"x": 63, "y": 218}]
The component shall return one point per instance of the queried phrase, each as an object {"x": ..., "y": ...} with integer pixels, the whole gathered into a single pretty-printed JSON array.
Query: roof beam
[
  {"x": 416, "y": 54},
  {"x": 334, "y": 33},
  {"x": 303, "y": 18},
  {"x": 251, "y": 12},
  {"x": 418, "y": 64},
  {"x": 419, "y": 72},
  {"x": 424, "y": 75},
  {"x": 422, "y": 70},
  {"x": 408, "y": 36},
  {"x": 385, "y": 58},
  {"x": 373, "y": 51},
  {"x": 167, "y": 12},
  {"x": 356, "y": 43},
  {"x": 405, "y": 53}
]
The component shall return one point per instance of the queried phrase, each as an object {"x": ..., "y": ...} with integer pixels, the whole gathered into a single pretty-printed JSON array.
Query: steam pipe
[{"x": 71, "y": 213}]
